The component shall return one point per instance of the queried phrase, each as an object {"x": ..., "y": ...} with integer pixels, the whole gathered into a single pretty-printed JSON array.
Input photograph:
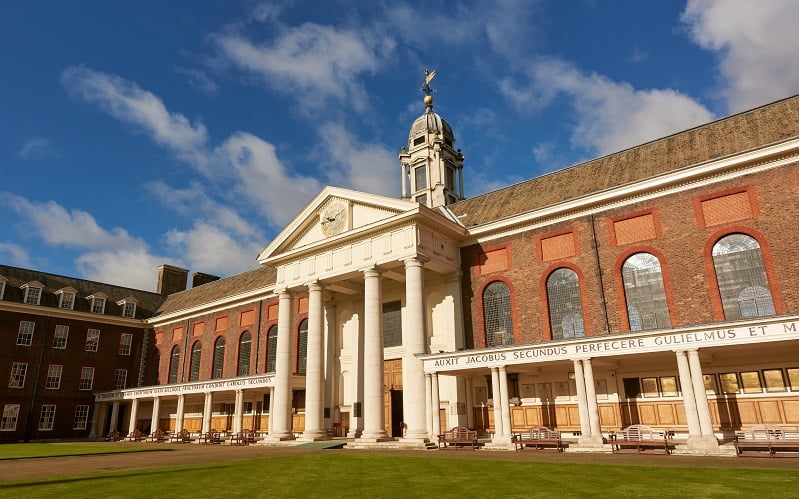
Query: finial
[{"x": 427, "y": 89}]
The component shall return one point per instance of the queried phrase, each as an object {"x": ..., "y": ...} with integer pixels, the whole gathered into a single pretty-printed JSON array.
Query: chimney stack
[
  {"x": 200, "y": 278},
  {"x": 171, "y": 279}
]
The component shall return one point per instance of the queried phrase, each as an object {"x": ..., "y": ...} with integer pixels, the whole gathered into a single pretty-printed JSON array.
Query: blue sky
[{"x": 189, "y": 132}]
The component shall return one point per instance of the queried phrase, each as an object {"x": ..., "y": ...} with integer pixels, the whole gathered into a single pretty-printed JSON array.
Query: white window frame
[
  {"x": 86, "y": 378},
  {"x": 97, "y": 305},
  {"x": 61, "y": 333},
  {"x": 10, "y": 417},
  {"x": 33, "y": 293},
  {"x": 92, "y": 340},
  {"x": 81, "y": 419},
  {"x": 47, "y": 417},
  {"x": 120, "y": 379},
  {"x": 66, "y": 300},
  {"x": 25, "y": 333},
  {"x": 19, "y": 371},
  {"x": 54, "y": 372},
  {"x": 125, "y": 343},
  {"x": 3, "y": 281}
]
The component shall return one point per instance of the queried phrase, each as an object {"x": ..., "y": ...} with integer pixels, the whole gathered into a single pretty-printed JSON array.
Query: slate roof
[
  {"x": 740, "y": 132},
  {"x": 229, "y": 286},
  {"x": 148, "y": 301}
]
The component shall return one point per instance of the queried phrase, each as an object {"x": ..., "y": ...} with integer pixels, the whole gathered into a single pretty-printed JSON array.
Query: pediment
[{"x": 333, "y": 214}]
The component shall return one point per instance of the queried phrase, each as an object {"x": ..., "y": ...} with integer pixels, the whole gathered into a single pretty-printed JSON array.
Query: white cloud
[
  {"x": 311, "y": 62},
  {"x": 610, "y": 115},
  {"x": 14, "y": 254},
  {"x": 199, "y": 80},
  {"x": 37, "y": 148},
  {"x": 125, "y": 101},
  {"x": 756, "y": 44},
  {"x": 131, "y": 267},
  {"x": 215, "y": 250},
  {"x": 358, "y": 165}
]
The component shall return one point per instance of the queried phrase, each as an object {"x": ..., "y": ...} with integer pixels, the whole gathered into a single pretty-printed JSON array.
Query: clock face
[{"x": 334, "y": 219}]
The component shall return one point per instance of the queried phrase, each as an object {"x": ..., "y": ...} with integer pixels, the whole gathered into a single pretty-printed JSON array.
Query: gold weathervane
[{"x": 428, "y": 77}]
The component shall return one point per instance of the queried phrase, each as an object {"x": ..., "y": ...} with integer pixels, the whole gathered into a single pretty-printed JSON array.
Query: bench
[
  {"x": 210, "y": 437},
  {"x": 458, "y": 437},
  {"x": 242, "y": 438},
  {"x": 767, "y": 438},
  {"x": 538, "y": 438},
  {"x": 135, "y": 436},
  {"x": 640, "y": 438},
  {"x": 181, "y": 437},
  {"x": 113, "y": 436},
  {"x": 157, "y": 436}
]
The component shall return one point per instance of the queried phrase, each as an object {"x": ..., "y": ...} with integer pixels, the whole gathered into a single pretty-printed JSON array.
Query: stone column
[
  {"x": 499, "y": 431},
  {"x": 688, "y": 397},
  {"x": 428, "y": 398},
  {"x": 435, "y": 404},
  {"x": 590, "y": 394},
  {"x": 709, "y": 440},
  {"x": 414, "y": 338},
  {"x": 280, "y": 416},
  {"x": 504, "y": 400},
  {"x": 155, "y": 418},
  {"x": 179, "y": 413},
  {"x": 238, "y": 410},
  {"x": 207, "y": 407},
  {"x": 374, "y": 419},
  {"x": 331, "y": 395},
  {"x": 314, "y": 371},
  {"x": 134, "y": 413},
  {"x": 582, "y": 399},
  {"x": 114, "y": 417},
  {"x": 271, "y": 409}
]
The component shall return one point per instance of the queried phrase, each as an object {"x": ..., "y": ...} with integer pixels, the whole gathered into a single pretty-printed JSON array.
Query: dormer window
[
  {"x": 128, "y": 307},
  {"x": 33, "y": 292},
  {"x": 97, "y": 303},
  {"x": 66, "y": 298},
  {"x": 3, "y": 281}
]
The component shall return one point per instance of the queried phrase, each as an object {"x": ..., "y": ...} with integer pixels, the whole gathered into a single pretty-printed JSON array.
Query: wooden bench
[
  {"x": 156, "y": 436},
  {"x": 181, "y": 437},
  {"x": 538, "y": 438},
  {"x": 242, "y": 438},
  {"x": 767, "y": 438},
  {"x": 210, "y": 437},
  {"x": 135, "y": 436},
  {"x": 113, "y": 436},
  {"x": 640, "y": 438},
  {"x": 458, "y": 437}
]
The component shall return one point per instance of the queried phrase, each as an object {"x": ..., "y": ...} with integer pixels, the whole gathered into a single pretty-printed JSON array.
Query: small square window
[
  {"x": 729, "y": 382},
  {"x": 774, "y": 380},
  {"x": 25, "y": 334},
  {"x": 668, "y": 386},
  {"x": 33, "y": 295},
  {"x": 750, "y": 382},
  {"x": 98, "y": 305},
  {"x": 793, "y": 378},
  {"x": 66, "y": 300},
  {"x": 60, "y": 337},
  {"x": 92, "y": 340},
  {"x": 129, "y": 309}
]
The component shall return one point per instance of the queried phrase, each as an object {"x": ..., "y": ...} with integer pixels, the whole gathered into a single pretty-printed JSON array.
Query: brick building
[{"x": 654, "y": 285}]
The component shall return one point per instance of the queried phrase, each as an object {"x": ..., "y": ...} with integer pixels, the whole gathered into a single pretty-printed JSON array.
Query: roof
[
  {"x": 740, "y": 132},
  {"x": 229, "y": 286},
  {"x": 148, "y": 302}
]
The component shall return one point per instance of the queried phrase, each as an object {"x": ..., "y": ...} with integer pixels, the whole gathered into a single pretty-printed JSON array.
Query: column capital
[
  {"x": 315, "y": 286},
  {"x": 283, "y": 293},
  {"x": 415, "y": 261},
  {"x": 372, "y": 271}
]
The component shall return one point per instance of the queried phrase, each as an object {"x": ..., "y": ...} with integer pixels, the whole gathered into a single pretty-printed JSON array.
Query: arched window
[
  {"x": 302, "y": 347},
  {"x": 194, "y": 368},
  {"x": 644, "y": 292},
  {"x": 245, "y": 341},
  {"x": 565, "y": 307},
  {"x": 497, "y": 317},
  {"x": 271, "y": 349},
  {"x": 155, "y": 366},
  {"x": 174, "y": 363},
  {"x": 741, "y": 277},
  {"x": 219, "y": 358}
]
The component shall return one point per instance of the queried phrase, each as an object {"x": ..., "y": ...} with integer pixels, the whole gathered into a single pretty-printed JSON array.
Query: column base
[
  {"x": 591, "y": 441},
  {"x": 414, "y": 441},
  {"x": 378, "y": 436},
  {"x": 313, "y": 436},
  {"x": 416, "y": 434},
  {"x": 278, "y": 437},
  {"x": 702, "y": 443}
]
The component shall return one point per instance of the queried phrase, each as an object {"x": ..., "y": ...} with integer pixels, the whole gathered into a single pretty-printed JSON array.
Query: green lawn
[
  {"x": 341, "y": 475},
  {"x": 22, "y": 451}
]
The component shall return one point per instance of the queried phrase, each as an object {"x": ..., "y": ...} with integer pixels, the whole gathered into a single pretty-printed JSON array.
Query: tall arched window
[
  {"x": 155, "y": 366},
  {"x": 565, "y": 307},
  {"x": 644, "y": 292},
  {"x": 174, "y": 363},
  {"x": 271, "y": 349},
  {"x": 245, "y": 341},
  {"x": 302, "y": 347},
  {"x": 194, "y": 368},
  {"x": 497, "y": 317},
  {"x": 219, "y": 358},
  {"x": 741, "y": 277}
]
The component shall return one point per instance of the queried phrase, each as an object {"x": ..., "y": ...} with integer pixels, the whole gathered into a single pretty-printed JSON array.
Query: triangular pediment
[{"x": 333, "y": 214}]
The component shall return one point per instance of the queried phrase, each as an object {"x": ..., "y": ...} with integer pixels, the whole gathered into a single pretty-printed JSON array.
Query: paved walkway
[{"x": 177, "y": 455}]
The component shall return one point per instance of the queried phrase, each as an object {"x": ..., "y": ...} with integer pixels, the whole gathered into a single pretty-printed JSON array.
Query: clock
[{"x": 334, "y": 218}]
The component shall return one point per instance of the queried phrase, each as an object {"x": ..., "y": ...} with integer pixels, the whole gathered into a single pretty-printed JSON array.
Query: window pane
[
  {"x": 245, "y": 342},
  {"x": 565, "y": 307},
  {"x": 219, "y": 358},
  {"x": 497, "y": 317},
  {"x": 392, "y": 324},
  {"x": 194, "y": 369},
  {"x": 741, "y": 276},
  {"x": 302, "y": 347},
  {"x": 644, "y": 292},
  {"x": 729, "y": 382},
  {"x": 750, "y": 382},
  {"x": 174, "y": 362},
  {"x": 271, "y": 349},
  {"x": 420, "y": 177}
]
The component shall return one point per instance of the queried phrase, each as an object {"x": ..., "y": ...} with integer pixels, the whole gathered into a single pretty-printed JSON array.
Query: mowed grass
[
  {"x": 24, "y": 451},
  {"x": 370, "y": 476}
]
